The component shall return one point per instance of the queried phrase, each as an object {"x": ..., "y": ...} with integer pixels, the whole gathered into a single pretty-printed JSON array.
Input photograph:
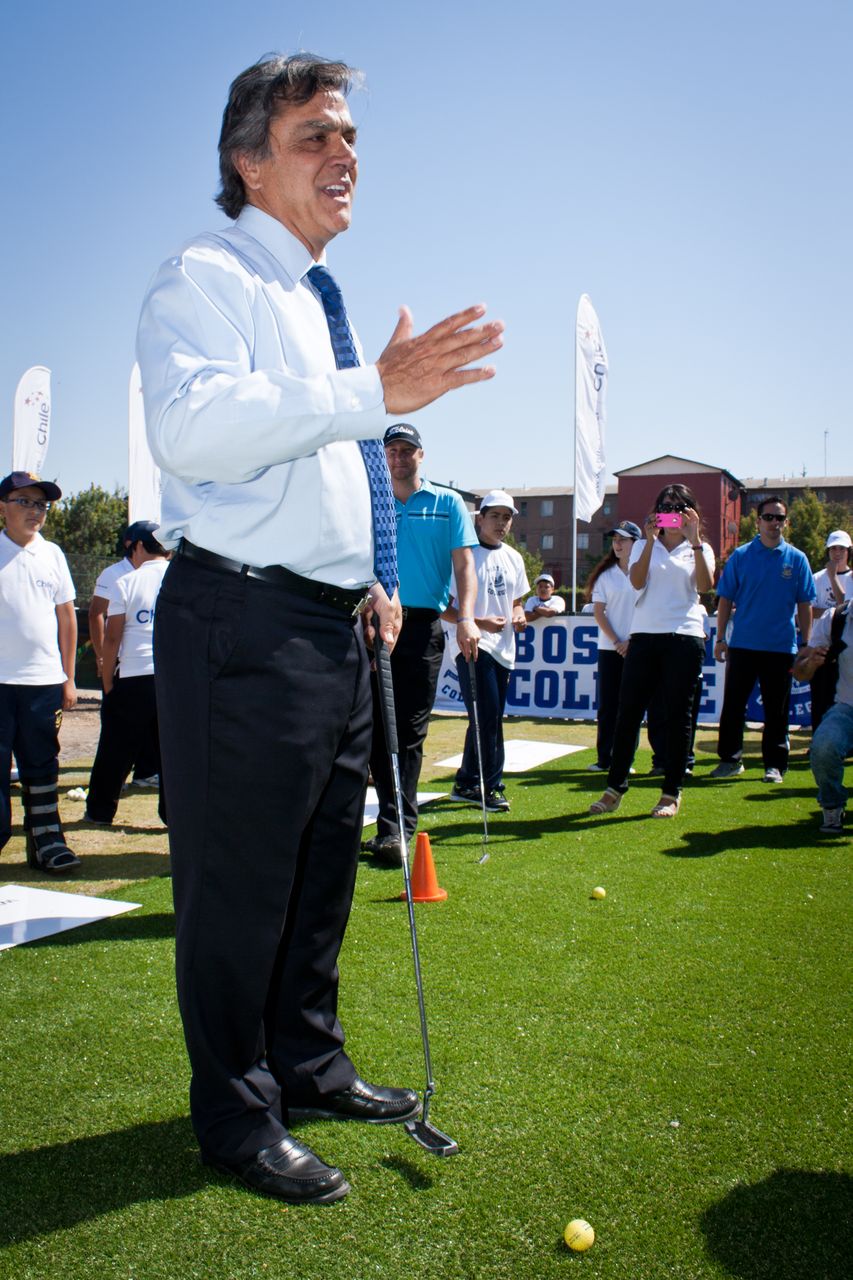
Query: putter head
[
  {"x": 430, "y": 1138},
  {"x": 484, "y": 857}
]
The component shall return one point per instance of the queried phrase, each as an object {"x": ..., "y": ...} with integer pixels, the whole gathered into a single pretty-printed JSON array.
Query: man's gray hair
[{"x": 255, "y": 99}]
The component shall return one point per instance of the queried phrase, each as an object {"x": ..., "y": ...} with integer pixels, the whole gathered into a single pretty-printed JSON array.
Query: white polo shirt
[
  {"x": 669, "y": 602},
  {"x": 613, "y": 589},
  {"x": 105, "y": 586},
  {"x": 33, "y": 580},
  {"x": 135, "y": 597}
]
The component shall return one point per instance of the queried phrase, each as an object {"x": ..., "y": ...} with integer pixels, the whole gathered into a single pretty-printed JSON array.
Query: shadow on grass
[
  {"x": 416, "y": 1178},
  {"x": 703, "y": 844},
  {"x": 139, "y": 864},
  {"x": 126, "y": 928},
  {"x": 57, "y": 1187},
  {"x": 794, "y": 1225}
]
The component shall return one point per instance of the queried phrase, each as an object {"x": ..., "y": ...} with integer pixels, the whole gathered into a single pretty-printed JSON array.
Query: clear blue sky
[{"x": 685, "y": 162}]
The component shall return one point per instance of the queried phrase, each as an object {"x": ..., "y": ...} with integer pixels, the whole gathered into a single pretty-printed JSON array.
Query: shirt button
[{"x": 354, "y": 403}]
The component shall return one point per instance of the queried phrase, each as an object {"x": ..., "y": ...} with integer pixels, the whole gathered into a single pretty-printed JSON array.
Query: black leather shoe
[
  {"x": 288, "y": 1170},
  {"x": 361, "y": 1101}
]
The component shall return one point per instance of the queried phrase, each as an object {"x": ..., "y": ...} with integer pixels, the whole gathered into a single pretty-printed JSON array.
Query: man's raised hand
[{"x": 416, "y": 371}]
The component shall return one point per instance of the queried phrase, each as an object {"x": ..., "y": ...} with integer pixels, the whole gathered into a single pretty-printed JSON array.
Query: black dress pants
[
  {"x": 128, "y": 723},
  {"x": 610, "y": 668},
  {"x": 415, "y": 667},
  {"x": 773, "y": 673},
  {"x": 264, "y": 709},
  {"x": 665, "y": 667}
]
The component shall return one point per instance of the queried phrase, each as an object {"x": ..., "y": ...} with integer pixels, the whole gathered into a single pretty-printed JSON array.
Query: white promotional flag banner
[
  {"x": 590, "y": 412},
  {"x": 143, "y": 487},
  {"x": 31, "y": 432}
]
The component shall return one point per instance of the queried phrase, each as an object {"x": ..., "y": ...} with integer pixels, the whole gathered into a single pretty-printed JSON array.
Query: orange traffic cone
[{"x": 425, "y": 886}]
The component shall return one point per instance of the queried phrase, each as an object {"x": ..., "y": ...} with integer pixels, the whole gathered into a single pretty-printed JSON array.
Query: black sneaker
[
  {"x": 385, "y": 849},
  {"x": 496, "y": 801},
  {"x": 465, "y": 795}
]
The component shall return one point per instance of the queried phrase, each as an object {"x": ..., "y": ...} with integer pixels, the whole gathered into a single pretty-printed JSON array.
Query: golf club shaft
[
  {"x": 389, "y": 722},
  {"x": 472, "y": 678}
]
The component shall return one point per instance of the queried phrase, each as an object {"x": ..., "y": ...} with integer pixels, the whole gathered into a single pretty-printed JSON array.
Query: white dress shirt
[{"x": 247, "y": 415}]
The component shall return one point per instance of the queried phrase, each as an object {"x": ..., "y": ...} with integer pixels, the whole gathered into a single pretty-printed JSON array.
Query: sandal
[
  {"x": 667, "y": 807},
  {"x": 608, "y": 803}
]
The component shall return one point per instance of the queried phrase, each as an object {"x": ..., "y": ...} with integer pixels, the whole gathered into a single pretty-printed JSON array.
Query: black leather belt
[{"x": 349, "y": 602}]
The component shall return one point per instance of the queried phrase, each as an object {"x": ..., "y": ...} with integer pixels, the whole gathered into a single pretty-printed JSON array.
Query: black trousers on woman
[
  {"x": 265, "y": 721},
  {"x": 667, "y": 668}
]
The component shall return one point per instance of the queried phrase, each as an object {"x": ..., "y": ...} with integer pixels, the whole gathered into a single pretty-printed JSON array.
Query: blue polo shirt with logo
[
  {"x": 433, "y": 523},
  {"x": 766, "y": 584}
]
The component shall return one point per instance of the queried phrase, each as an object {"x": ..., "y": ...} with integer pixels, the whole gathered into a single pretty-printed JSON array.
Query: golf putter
[
  {"x": 424, "y": 1133},
  {"x": 472, "y": 676}
]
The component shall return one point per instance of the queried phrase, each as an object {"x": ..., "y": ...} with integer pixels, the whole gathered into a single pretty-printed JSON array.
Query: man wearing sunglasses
[
  {"x": 769, "y": 584},
  {"x": 38, "y": 646}
]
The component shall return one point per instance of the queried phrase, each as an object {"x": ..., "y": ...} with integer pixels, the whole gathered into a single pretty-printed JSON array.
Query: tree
[
  {"x": 808, "y": 527},
  {"x": 89, "y": 522},
  {"x": 533, "y": 564},
  {"x": 748, "y": 527}
]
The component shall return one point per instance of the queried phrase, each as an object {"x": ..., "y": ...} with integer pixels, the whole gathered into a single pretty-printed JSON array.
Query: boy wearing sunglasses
[
  {"x": 38, "y": 646},
  {"x": 770, "y": 586}
]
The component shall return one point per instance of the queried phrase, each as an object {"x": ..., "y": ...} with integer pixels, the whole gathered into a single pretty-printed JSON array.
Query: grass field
[{"x": 671, "y": 1063}]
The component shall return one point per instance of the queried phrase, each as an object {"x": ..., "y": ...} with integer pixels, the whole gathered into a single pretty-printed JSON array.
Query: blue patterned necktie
[{"x": 381, "y": 493}]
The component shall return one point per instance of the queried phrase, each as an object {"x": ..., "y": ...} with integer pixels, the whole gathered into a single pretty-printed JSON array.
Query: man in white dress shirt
[{"x": 261, "y": 668}]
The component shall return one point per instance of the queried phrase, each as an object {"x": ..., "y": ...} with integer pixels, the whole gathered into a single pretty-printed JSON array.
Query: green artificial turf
[{"x": 671, "y": 1063}]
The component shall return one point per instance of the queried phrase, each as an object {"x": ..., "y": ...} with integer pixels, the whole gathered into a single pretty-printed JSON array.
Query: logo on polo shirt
[{"x": 787, "y": 572}]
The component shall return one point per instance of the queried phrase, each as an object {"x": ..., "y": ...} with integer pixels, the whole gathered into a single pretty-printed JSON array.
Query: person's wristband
[
  {"x": 469, "y": 619},
  {"x": 696, "y": 546}
]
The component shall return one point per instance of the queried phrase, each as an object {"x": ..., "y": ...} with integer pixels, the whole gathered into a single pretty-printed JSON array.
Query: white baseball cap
[
  {"x": 498, "y": 498},
  {"x": 839, "y": 538}
]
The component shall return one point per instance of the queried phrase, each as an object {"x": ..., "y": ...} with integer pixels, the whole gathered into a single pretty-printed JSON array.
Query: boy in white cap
[
  {"x": 498, "y": 613},
  {"x": 834, "y": 583},
  {"x": 543, "y": 603}
]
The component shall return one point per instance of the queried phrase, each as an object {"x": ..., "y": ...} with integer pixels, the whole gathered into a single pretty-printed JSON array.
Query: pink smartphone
[{"x": 669, "y": 520}]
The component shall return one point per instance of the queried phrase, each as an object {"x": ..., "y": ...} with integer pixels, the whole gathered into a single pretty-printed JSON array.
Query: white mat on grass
[
  {"x": 27, "y": 914},
  {"x": 371, "y": 804},
  {"x": 522, "y": 754}
]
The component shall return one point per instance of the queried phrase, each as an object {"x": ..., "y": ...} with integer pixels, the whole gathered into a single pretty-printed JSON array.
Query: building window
[
  {"x": 521, "y": 539},
  {"x": 607, "y": 508},
  {"x": 547, "y": 542},
  {"x": 583, "y": 542},
  {"x": 546, "y": 507},
  {"x": 522, "y": 508}
]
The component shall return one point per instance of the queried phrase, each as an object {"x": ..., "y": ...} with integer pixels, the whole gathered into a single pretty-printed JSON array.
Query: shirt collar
[
  {"x": 280, "y": 242},
  {"x": 31, "y": 548}
]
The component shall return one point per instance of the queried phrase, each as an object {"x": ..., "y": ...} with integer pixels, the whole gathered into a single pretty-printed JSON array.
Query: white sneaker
[
  {"x": 772, "y": 775},
  {"x": 833, "y": 822}
]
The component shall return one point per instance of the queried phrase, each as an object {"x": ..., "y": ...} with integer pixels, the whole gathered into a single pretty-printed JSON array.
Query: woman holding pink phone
[{"x": 669, "y": 568}]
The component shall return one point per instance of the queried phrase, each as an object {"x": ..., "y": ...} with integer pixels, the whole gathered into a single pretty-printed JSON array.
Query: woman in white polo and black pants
[{"x": 669, "y": 568}]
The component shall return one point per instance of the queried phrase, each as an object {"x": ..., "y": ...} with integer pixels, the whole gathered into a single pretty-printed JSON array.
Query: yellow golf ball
[
  {"x": 579, "y": 1235},
  {"x": 598, "y": 892}
]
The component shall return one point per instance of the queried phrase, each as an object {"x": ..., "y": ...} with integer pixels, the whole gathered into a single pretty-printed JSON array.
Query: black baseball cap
[
  {"x": 626, "y": 529},
  {"x": 23, "y": 480},
  {"x": 402, "y": 431}
]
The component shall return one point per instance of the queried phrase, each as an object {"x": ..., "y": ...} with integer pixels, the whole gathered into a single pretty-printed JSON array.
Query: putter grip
[{"x": 386, "y": 692}]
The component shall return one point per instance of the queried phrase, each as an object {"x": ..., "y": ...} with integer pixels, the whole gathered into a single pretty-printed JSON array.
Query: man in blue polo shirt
[
  {"x": 768, "y": 582},
  {"x": 435, "y": 534}
]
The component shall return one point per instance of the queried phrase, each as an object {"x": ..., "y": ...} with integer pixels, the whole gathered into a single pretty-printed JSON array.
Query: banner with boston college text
[
  {"x": 31, "y": 426},
  {"x": 556, "y": 676}
]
